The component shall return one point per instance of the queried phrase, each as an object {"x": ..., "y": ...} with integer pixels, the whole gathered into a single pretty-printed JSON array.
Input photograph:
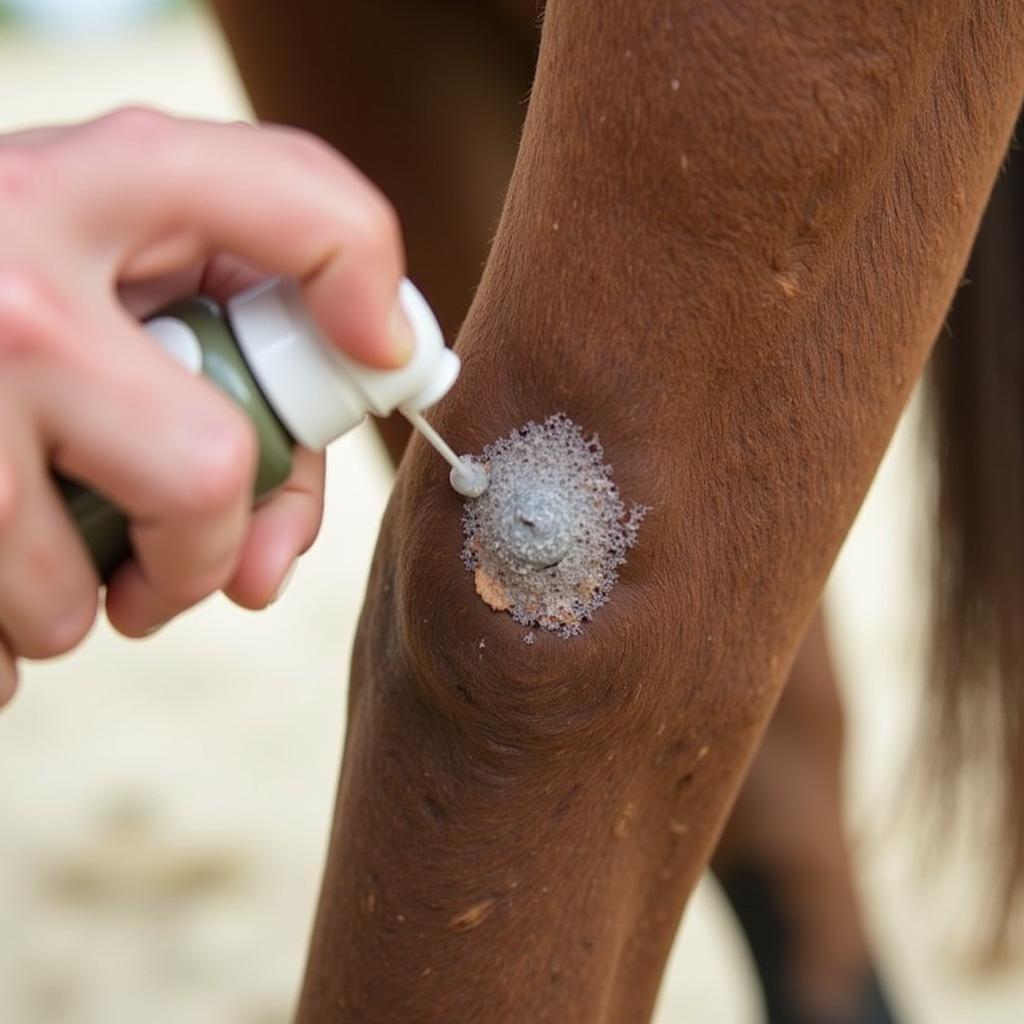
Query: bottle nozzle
[{"x": 467, "y": 477}]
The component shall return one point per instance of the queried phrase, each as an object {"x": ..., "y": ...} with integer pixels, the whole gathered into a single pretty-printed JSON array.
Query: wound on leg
[{"x": 546, "y": 538}]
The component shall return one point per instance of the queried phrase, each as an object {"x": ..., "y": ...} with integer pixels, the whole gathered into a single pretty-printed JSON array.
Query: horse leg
[
  {"x": 783, "y": 859},
  {"x": 779, "y": 825},
  {"x": 729, "y": 241}
]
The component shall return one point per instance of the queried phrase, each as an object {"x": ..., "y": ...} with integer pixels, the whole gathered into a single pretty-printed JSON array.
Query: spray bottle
[{"x": 266, "y": 353}]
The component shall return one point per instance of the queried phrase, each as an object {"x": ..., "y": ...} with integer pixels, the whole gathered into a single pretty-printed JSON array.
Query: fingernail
[
  {"x": 400, "y": 332},
  {"x": 153, "y": 629},
  {"x": 283, "y": 585}
]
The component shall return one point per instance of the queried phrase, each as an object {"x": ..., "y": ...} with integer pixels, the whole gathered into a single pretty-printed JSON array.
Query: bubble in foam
[{"x": 546, "y": 539}]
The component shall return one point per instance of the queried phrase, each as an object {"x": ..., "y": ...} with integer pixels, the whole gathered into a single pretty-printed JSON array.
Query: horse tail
[{"x": 975, "y": 710}]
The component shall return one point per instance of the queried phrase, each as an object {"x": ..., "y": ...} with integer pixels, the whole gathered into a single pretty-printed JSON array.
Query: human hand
[{"x": 106, "y": 221}]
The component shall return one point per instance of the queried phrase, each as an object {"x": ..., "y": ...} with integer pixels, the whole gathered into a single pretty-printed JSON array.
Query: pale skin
[{"x": 104, "y": 222}]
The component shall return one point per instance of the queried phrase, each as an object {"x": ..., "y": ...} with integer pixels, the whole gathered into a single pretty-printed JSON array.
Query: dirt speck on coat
[{"x": 472, "y": 916}]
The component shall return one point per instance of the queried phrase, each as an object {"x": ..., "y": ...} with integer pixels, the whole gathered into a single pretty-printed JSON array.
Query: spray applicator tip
[{"x": 467, "y": 477}]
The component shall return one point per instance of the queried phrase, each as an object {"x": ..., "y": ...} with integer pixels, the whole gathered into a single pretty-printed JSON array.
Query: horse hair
[{"x": 974, "y": 721}]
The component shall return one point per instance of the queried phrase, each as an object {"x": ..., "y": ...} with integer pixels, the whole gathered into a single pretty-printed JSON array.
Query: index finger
[{"x": 277, "y": 198}]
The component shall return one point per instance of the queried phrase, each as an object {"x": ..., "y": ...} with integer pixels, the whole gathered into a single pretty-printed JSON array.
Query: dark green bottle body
[{"x": 105, "y": 529}]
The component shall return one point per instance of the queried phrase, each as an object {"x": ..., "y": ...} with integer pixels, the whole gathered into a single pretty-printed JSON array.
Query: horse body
[{"x": 729, "y": 241}]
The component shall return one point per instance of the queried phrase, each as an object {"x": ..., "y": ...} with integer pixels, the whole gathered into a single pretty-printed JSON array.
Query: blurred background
[{"x": 164, "y": 805}]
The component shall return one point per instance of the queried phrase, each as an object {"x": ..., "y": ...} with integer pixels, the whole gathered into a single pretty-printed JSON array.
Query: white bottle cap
[{"x": 317, "y": 391}]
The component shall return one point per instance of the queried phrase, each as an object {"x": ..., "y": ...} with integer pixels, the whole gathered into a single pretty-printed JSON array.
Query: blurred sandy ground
[{"x": 164, "y": 805}]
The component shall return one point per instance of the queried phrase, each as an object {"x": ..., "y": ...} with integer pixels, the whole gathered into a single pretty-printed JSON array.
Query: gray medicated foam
[{"x": 546, "y": 538}]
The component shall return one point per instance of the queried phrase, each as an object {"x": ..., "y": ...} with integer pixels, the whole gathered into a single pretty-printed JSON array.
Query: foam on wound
[
  {"x": 536, "y": 526},
  {"x": 546, "y": 538}
]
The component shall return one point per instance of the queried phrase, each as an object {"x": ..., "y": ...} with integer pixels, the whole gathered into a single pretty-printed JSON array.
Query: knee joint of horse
[{"x": 625, "y": 673}]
